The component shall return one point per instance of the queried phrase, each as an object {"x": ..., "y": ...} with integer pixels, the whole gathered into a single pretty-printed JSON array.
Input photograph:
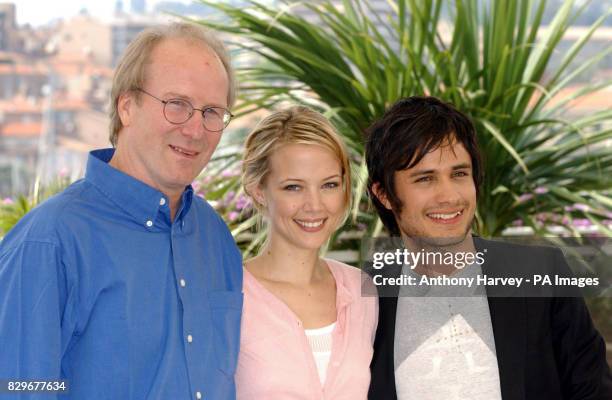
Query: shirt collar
[
  {"x": 137, "y": 198},
  {"x": 343, "y": 293}
]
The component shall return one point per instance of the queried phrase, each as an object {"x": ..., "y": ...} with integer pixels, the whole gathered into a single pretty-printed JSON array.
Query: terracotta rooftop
[
  {"x": 70, "y": 104},
  {"x": 21, "y": 129},
  {"x": 22, "y": 69},
  {"x": 20, "y": 105},
  {"x": 599, "y": 100}
]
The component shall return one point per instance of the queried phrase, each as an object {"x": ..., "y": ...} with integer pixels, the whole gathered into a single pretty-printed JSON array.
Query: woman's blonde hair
[
  {"x": 295, "y": 125},
  {"x": 131, "y": 71}
]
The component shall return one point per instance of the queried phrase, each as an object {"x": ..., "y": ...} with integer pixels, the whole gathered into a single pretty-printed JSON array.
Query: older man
[{"x": 126, "y": 285}]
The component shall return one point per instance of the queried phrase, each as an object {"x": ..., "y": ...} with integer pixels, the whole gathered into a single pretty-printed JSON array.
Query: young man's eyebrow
[
  {"x": 420, "y": 172},
  {"x": 462, "y": 166}
]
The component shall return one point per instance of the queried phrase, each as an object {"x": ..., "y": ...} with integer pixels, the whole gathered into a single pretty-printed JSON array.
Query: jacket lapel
[
  {"x": 509, "y": 323},
  {"x": 508, "y": 319},
  {"x": 382, "y": 385}
]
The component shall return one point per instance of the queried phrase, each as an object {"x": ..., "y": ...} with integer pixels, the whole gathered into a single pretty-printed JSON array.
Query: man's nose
[
  {"x": 447, "y": 192},
  {"x": 194, "y": 126}
]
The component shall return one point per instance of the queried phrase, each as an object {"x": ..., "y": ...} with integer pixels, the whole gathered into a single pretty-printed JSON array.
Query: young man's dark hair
[
  {"x": 544, "y": 347},
  {"x": 407, "y": 131}
]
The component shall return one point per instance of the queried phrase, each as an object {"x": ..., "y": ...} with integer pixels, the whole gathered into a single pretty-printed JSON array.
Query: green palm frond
[
  {"x": 491, "y": 59},
  {"x": 12, "y": 211}
]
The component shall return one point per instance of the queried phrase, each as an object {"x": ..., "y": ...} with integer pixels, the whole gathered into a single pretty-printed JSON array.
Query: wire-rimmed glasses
[{"x": 178, "y": 111}]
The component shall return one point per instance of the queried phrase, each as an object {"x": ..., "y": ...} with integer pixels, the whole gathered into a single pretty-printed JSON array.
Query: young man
[
  {"x": 126, "y": 285},
  {"x": 424, "y": 175}
]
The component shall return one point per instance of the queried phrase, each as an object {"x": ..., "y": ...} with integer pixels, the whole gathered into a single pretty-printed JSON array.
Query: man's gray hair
[{"x": 131, "y": 72}]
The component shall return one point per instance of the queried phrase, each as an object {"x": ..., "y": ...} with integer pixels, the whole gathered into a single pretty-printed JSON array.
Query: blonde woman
[{"x": 307, "y": 332}]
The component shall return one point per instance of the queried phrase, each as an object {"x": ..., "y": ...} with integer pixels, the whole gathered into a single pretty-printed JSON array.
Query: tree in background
[{"x": 490, "y": 59}]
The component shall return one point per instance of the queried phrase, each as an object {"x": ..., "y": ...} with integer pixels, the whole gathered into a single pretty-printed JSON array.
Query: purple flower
[
  {"x": 233, "y": 215},
  {"x": 582, "y": 207},
  {"x": 581, "y": 222},
  {"x": 553, "y": 217},
  {"x": 540, "y": 190},
  {"x": 517, "y": 222},
  {"x": 525, "y": 197},
  {"x": 243, "y": 202},
  {"x": 7, "y": 201}
]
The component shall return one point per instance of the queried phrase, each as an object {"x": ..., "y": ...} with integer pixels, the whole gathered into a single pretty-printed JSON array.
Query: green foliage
[
  {"x": 489, "y": 59},
  {"x": 12, "y": 211}
]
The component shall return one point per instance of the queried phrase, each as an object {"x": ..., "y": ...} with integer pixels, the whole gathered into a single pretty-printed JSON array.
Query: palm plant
[
  {"x": 490, "y": 59},
  {"x": 11, "y": 211}
]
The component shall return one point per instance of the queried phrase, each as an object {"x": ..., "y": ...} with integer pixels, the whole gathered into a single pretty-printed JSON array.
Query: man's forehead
[
  {"x": 168, "y": 49},
  {"x": 448, "y": 153},
  {"x": 184, "y": 67}
]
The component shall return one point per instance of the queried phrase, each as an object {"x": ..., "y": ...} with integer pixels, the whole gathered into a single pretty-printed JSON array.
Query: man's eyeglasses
[{"x": 178, "y": 111}]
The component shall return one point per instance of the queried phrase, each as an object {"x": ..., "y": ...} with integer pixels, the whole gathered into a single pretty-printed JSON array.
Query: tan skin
[
  {"x": 441, "y": 184},
  {"x": 304, "y": 186},
  {"x": 147, "y": 143},
  {"x": 312, "y": 301}
]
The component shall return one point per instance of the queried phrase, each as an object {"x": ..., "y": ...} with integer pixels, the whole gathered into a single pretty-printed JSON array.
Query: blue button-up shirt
[{"x": 98, "y": 286}]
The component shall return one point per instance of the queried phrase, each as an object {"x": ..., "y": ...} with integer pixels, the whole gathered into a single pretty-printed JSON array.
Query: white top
[
  {"x": 444, "y": 345},
  {"x": 320, "y": 341}
]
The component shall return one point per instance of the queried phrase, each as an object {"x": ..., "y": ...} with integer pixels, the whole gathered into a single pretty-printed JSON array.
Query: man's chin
[{"x": 439, "y": 242}]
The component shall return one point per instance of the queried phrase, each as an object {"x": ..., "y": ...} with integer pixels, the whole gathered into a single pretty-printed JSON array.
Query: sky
[{"x": 37, "y": 12}]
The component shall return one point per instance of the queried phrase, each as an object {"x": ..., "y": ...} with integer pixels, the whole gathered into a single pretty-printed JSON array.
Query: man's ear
[
  {"x": 125, "y": 107},
  {"x": 381, "y": 196}
]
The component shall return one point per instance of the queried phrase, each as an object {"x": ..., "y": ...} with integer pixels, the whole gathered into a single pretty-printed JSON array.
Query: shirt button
[
  {"x": 162, "y": 201},
  {"x": 198, "y": 395},
  {"x": 149, "y": 223},
  {"x": 183, "y": 283},
  {"x": 189, "y": 338}
]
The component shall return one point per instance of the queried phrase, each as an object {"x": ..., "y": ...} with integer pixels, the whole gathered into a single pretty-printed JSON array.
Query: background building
[{"x": 55, "y": 80}]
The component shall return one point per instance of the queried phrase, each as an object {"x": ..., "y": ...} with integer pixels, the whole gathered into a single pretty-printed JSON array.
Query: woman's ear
[
  {"x": 381, "y": 196},
  {"x": 256, "y": 192}
]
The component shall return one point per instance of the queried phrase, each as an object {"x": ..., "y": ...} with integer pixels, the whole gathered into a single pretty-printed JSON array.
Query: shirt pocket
[{"x": 226, "y": 310}]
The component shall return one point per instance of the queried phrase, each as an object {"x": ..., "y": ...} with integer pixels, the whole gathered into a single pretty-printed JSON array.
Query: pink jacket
[{"x": 275, "y": 360}]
